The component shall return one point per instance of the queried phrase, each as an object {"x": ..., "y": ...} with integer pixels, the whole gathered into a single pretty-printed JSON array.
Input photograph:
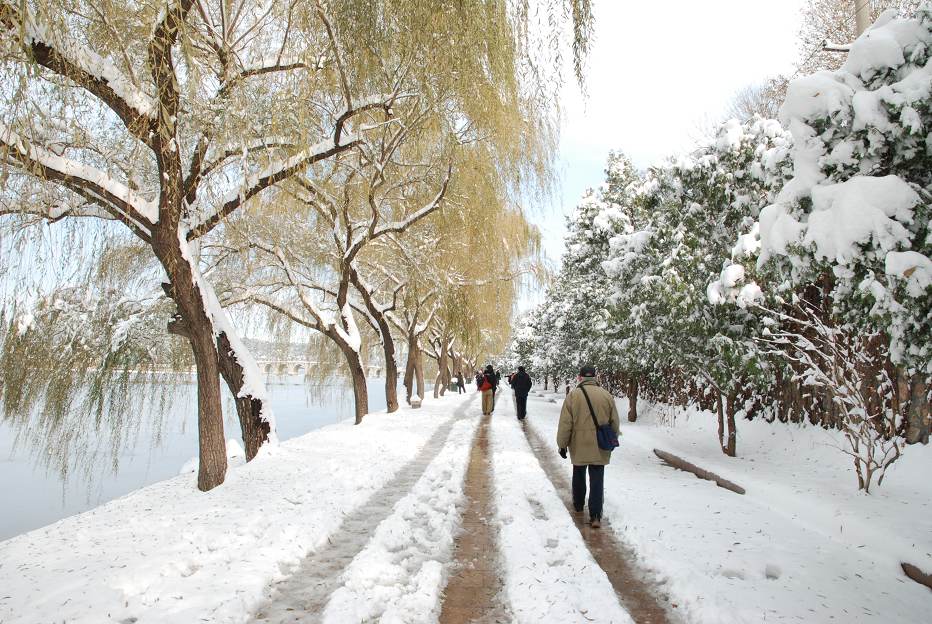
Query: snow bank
[
  {"x": 169, "y": 553},
  {"x": 399, "y": 576},
  {"x": 549, "y": 574}
]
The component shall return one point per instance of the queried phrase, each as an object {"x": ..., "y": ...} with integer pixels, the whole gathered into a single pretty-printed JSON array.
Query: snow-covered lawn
[
  {"x": 801, "y": 545},
  {"x": 168, "y": 553}
]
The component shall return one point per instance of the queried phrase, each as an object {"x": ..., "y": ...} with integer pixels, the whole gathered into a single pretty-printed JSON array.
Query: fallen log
[
  {"x": 917, "y": 575},
  {"x": 677, "y": 462}
]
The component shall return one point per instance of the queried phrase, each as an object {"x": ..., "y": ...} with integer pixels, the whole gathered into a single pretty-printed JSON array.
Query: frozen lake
[{"x": 34, "y": 497}]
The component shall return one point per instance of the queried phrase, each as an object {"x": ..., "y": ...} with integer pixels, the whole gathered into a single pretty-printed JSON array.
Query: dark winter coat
[{"x": 521, "y": 383}]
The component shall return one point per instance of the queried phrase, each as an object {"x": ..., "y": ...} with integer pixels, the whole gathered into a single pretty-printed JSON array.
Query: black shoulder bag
[{"x": 604, "y": 434}]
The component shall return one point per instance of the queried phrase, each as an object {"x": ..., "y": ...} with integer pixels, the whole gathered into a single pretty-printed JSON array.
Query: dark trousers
[
  {"x": 521, "y": 401},
  {"x": 460, "y": 389},
  {"x": 596, "y": 485}
]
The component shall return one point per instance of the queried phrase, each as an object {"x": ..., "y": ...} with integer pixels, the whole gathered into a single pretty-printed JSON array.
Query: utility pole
[{"x": 862, "y": 15}]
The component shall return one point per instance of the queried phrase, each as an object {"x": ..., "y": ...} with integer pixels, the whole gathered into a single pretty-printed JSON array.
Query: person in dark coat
[
  {"x": 521, "y": 384},
  {"x": 460, "y": 383}
]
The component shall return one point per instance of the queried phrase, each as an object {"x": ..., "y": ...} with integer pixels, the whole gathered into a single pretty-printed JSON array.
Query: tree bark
[
  {"x": 358, "y": 376},
  {"x": 254, "y": 428},
  {"x": 732, "y": 432},
  {"x": 391, "y": 372},
  {"x": 721, "y": 419},
  {"x": 633, "y": 399},
  {"x": 682, "y": 464},
  {"x": 388, "y": 344},
  {"x": 196, "y": 325},
  {"x": 917, "y": 415},
  {"x": 409, "y": 368},
  {"x": 419, "y": 373},
  {"x": 212, "y": 457}
]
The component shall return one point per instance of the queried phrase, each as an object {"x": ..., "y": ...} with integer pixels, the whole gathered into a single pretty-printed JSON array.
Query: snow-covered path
[
  {"x": 550, "y": 575},
  {"x": 324, "y": 586},
  {"x": 169, "y": 553}
]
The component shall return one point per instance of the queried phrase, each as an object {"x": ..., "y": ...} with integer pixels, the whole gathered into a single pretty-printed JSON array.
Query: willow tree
[
  {"x": 167, "y": 120},
  {"x": 465, "y": 70}
]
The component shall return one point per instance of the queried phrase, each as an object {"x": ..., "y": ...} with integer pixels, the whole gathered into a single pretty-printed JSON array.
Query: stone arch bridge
[{"x": 297, "y": 366}]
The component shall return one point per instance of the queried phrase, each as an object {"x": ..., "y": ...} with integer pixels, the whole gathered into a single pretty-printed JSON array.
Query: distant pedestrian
[
  {"x": 577, "y": 431},
  {"x": 521, "y": 384},
  {"x": 487, "y": 387},
  {"x": 460, "y": 383}
]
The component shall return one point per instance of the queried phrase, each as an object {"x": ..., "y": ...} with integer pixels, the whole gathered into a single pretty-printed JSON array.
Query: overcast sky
[{"x": 658, "y": 72}]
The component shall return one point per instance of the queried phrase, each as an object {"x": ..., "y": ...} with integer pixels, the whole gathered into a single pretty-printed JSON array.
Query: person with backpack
[
  {"x": 487, "y": 386},
  {"x": 521, "y": 384},
  {"x": 589, "y": 428}
]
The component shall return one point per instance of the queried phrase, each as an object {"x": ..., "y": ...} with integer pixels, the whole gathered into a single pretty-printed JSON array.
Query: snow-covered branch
[
  {"x": 81, "y": 65},
  {"x": 116, "y": 198}
]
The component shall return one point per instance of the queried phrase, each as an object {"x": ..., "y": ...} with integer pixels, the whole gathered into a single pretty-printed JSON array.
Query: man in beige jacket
[{"x": 578, "y": 433}]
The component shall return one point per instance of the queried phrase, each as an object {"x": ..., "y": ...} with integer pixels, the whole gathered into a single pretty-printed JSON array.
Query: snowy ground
[
  {"x": 168, "y": 553},
  {"x": 801, "y": 546}
]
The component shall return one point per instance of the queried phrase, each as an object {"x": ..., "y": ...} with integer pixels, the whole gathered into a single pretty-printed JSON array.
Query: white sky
[{"x": 660, "y": 71}]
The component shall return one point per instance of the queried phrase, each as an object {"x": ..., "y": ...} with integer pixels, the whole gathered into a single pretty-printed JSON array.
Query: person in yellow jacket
[{"x": 577, "y": 432}]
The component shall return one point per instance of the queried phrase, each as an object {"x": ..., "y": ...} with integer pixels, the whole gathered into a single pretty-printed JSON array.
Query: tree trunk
[
  {"x": 254, "y": 428},
  {"x": 391, "y": 374},
  {"x": 419, "y": 373},
  {"x": 633, "y": 399},
  {"x": 546, "y": 377},
  {"x": 441, "y": 386},
  {"x": 358, "y": 375},
  {"x": 388, "y": 344},
  {"x": 409, "y": 367},
  {"x": 917, "y": 415},
  {"x": 721, "y": 419},
  {"x": 195, "y": 323},
  {"x": 731, "y": 405},
  {"x": 212, "y": 456}
]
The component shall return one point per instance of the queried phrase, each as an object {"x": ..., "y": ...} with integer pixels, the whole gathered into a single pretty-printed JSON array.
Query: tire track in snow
[
  {"x": 302, "y": 596},
  {"x": 643, "y": 599}
]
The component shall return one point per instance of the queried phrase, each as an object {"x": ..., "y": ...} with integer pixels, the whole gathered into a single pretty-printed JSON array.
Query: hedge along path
[
  {"x": 302, "y": 596},
  {"x": 641, "y": 597},
  {"x": 474, "y": 591}
]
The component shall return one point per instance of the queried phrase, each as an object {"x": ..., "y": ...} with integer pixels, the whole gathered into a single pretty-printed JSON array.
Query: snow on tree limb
[
  {"x": 85, "y": 68},
  {"x": 115, "y": 197}
]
